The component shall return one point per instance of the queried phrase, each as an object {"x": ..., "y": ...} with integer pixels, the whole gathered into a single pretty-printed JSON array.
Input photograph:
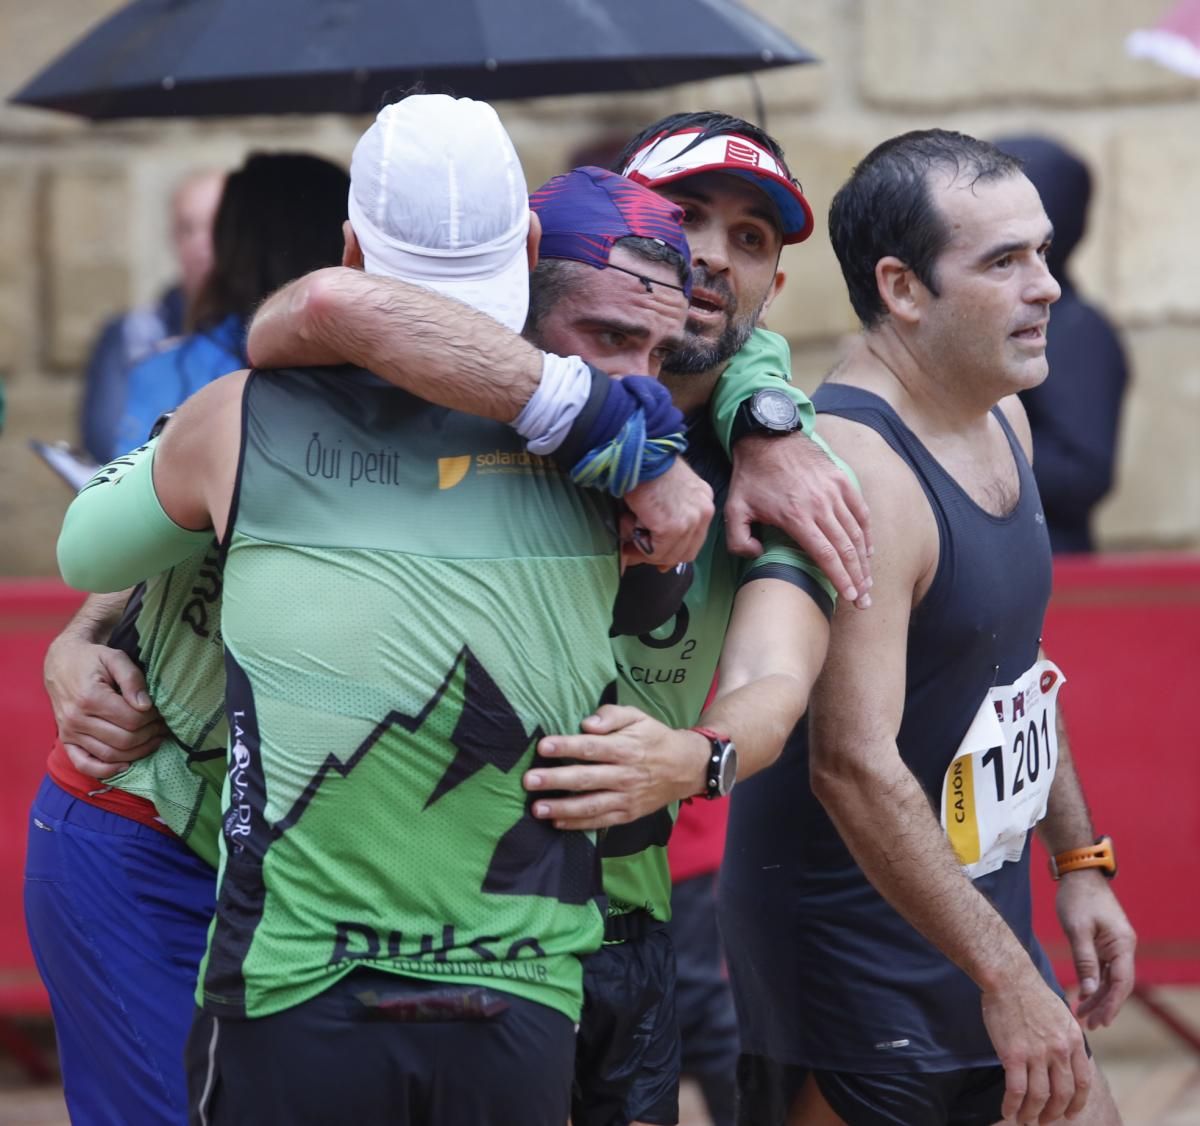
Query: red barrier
[
  {"x": 31, "y": 613},
  {"x": 1126, "y": 632}
]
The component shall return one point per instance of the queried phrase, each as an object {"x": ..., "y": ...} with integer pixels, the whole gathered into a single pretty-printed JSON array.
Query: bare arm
[
  {"x": 885, "y": 816},
  {"x": 196, "y": 464},
  {"x": 630, "y": 765},
  {"x": 450, "y": 354},
  {"x": 432, "y": 346},
  {"x": 104, "y": 716},
  {"x": 773, "y": 653},
  {"x": 1102, "y": 941}
]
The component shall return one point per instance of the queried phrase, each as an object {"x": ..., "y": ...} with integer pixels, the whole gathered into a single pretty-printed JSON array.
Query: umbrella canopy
[{"x": 202, "y": 58}]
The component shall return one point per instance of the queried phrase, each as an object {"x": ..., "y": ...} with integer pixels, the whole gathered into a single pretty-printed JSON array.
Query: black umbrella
[{"x": 202, "y": 58}]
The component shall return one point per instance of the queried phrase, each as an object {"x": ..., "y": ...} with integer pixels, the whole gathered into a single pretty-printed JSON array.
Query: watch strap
[
  {"x": 712, "y": 770},
  {"x": 1099, "y": 855}
]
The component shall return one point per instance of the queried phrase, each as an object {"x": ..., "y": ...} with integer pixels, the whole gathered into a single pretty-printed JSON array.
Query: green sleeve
[
  {"x": 781, "y": 558},
  {"x": 780, "y": 551},
  {"x": 116, "y": 533},
  {"x": 764, "y": 361}
]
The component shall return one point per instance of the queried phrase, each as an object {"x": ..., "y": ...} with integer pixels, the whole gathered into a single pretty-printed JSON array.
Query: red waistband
[{"x": 95, "y": 792}]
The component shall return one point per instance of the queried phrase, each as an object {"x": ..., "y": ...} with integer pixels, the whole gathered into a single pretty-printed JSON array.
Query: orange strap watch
[{"x": 1100, "y": 855}]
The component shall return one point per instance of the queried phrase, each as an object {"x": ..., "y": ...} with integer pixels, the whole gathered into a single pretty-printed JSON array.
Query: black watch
[
  {"x": 766, "y": 412},
  {"x": 721, "y": 771}
]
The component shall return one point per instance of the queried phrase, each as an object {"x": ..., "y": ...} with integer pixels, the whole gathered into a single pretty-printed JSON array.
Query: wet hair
[
  {"x": 555, "y": 278},
  {"x": 280, "y": 216},
  {"x": 710, "y": 124},
  {"x": 886, "y": 208}
]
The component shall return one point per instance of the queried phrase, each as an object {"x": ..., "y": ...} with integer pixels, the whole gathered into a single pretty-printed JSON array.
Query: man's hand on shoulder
[
  {"x": 790, "y": 482},
  {"x": 675, "y": 511}
]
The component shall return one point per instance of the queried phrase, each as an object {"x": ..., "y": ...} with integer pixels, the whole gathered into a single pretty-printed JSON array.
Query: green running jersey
[
  {"x": 668, "y": 672},
  {"x": 171, "y": 628},
  {"x": 411, "y": 600}
]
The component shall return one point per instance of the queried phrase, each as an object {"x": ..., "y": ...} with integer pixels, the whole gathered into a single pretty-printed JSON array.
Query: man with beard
[
  {"x": 640, "y": 760},
  {"x": 454, "y": 606}
]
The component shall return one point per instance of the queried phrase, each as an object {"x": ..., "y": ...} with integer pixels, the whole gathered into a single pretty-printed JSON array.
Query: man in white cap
[{"x": 411, "y": 600}]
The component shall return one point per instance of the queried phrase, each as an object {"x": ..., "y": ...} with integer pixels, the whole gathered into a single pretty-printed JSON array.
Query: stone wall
[{"x": 82, "y": 208}]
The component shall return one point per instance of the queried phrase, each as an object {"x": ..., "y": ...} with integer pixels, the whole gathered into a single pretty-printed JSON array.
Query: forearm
[
  {"x": 95, "y": 619},
  {"x": 886, "y": 820},
  {"x": 1067, "y": 823},
  {"x": 431, "y": 346},
  {"x": 774, "y": 648},
  {"x": 758, "y": 717},
  {"x": 116, "y": 533}
]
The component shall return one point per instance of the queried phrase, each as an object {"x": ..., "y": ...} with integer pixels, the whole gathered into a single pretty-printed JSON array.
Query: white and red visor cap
[{"x": 666, "y": 158}]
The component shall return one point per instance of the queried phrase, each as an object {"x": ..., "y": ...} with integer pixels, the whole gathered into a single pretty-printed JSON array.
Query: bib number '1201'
[{"x": 997, "y": 787}]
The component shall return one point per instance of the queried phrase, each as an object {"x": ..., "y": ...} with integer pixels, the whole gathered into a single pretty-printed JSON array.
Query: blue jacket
[
  {"x": 123, "y": 342},
  {"x": 162, "y": 381}
]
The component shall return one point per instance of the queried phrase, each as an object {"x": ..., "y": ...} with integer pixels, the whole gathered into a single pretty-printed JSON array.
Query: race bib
[{"x": 999, "y": 782}]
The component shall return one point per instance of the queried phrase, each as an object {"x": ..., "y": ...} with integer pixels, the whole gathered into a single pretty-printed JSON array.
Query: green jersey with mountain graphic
[{"x": 410, "y": 602}]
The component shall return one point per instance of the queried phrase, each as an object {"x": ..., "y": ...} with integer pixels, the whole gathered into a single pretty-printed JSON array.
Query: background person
[
  {"x": 1075, "y": 415},
  {"x": 280, "y": 216},
  {"x": 129, "y": 338}
]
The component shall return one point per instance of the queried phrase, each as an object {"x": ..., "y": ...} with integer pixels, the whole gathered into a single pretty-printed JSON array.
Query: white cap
[{"x": 438, "y": 198}]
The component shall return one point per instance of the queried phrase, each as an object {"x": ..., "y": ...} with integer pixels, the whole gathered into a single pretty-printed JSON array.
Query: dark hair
[
  {"x": 554, "y": 278},
  {"x": 710, "y": 124},
  {"x": 886, "y": 209},
  {"x": 280, "y": 216}
]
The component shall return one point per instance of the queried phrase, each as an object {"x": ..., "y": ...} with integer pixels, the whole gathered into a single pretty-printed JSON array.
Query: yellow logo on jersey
[{"x": 452, "y": 470}]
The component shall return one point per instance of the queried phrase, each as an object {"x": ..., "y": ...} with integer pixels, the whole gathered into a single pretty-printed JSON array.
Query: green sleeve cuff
[
  {"x": 116, "y": 533},
  {"x": 781, "y": 555},
  {"x": 764, "y": 361}
]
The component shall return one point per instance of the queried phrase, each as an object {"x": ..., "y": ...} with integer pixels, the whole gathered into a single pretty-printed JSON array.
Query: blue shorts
[{"x": 118, "y": 917}]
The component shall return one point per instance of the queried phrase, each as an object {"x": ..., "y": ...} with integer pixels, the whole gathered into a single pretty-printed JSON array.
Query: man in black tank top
[{"x": 875, "y": 892}]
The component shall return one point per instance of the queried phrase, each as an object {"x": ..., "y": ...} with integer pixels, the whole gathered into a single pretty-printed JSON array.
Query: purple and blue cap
[{"x": 585, "y": 211}]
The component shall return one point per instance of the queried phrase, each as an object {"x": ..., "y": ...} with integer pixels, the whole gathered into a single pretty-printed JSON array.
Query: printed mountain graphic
[
  {"x": 403, "y": 794},
  {"x": 488, "y": 731}
]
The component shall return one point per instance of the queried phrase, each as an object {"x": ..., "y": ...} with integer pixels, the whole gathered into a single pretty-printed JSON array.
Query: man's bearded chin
[{"x": 697, "y": 355}]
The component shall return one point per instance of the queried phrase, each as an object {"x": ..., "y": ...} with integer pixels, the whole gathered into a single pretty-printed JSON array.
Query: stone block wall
[{"x": 83, "y": 208}]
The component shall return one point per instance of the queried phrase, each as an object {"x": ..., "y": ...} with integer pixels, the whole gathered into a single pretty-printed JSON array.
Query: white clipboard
[{"x": 73, "y": 466}]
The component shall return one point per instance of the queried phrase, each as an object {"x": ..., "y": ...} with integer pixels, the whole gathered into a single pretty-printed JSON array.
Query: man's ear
[
  {"x": 533, "y": 240},
  {"x": 352, "y": 254},
  {"x": 776, "y": 288},
  {"x": 899, "y": 289}
]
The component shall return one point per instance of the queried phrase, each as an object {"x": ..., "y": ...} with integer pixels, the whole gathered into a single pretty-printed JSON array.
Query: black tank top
[{"x": 825, "y": 972}]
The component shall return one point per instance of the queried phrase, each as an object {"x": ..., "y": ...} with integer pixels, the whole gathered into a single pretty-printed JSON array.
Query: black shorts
[
  {"x": 376, "y": 1048},
  {"x": 627, "y": 1050},
  {"x": 970, "y": 1097},
  {"x": 707, "y": 1020}
]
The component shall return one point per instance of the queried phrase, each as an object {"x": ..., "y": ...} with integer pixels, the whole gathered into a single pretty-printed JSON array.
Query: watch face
[
  {"x": 774, "y": 410},
  {"x": 728, "y": 769}
]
